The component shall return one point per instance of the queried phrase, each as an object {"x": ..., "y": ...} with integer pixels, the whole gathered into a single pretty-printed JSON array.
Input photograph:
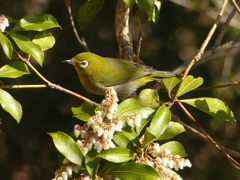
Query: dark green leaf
[
  {"x": 87, "y": 13},
  {"x": 117, "y": 155},
  {"x": 214, "y": 107},
  {"x": 160, "y": 121},
  {"x": 6, "y": 45},
  {"x": 148, "y": 138},
  {"x": 10, "y": 105},
  {"x": 129, "y": 3},
  {"x": 148, "y": 98},
  {"x": 131, "y": 135},
  {"x": 188, "y": 83},
  {"x": 135, "y": 171},
  {"x": 122, "y": 141},
  {"x": 68, "y": 147},
  {"x": 172, "y": 130},
  {"x": 83, "y": 112},
  {"x": 175, "y": 147},
  {"x": 44, "y": 39},
  {"x": 92, "y": 163},
  {"x": 27, "y": 46},
  {"x": 36, "y": 22},
  {"x": 14, "y": 69}
]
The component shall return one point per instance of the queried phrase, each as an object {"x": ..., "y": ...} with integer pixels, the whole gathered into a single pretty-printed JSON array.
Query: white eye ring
[{"x": 83, "y": 64}]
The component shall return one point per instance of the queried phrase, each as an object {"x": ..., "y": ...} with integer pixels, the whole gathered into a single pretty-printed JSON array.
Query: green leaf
[
  {"x": 27, "y": 46},
  {"x": 117, "y": 155},
  {"x": 148, "y": 98},
  {"x": 92, "y": 163},
  {"x": 160, "y": 121},
  {"x": 131, "y": 135},
  {"x": 44, "y": 39},
  {"x": 10, "y": 105},
  {"x": 129, "y": 3},
  {"x": 135, "y": 171},
  {"x": 175, "y": 147},
  {"x": 188, "y": 83},
  {"x": 129, "y": 106},
  {"x": 172, "y": 130},
  {"x": 68, "y": 147},
  {"x": 36, "y": 22},
  {"x": 87, "y": 13},
  {"x": 170, "y": 83},
  {"x": 156, "y": 11},
  {"x": 6, "y": 45},
  {"x": 122, "y": 141},
  {"x": 14, "y": 69},
  {"x": 214, "y": 107},
  {"x": 148, "y": 138},
  {"x": 151, "y": 7},
  {"x": 83, "y": 112}
]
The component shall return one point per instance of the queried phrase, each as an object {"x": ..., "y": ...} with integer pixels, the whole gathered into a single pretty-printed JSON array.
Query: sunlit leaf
[
  {"x": 129, "y": 3},
  {"x": 44, "y": 39},
  {"x": 148, "y": 98},
  {"x": 10, "y": 105},
  {"x": 171, "y": 131},
  {"x": 131, "y": 105},
  {"x": 214, "y": 107},
  {"x": 27, "y": 46},
  {"x": 37, "y": 22},
  {"x": 117, "y": 155},
  {"x": 188, "y": 83},
  {"x": 6, "y": 45},
  {"x": 175, "y": 147},
  {"x": 160, "y": 121},
  {"x": 134, "y": 171},
  {"x": 14, "y": 69},
  {"x": 68, "y": 147},
  {"x": 170, "y": 83},
  {"x": 83, "y": 112}
]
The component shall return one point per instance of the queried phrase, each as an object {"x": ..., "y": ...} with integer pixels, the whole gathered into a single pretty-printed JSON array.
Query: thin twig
[
  {"x": 196, "y": 132},
  {"x": 207, "y": 55},
  {"x": 230, "y": 159},
  {"x": 206, "y": 41},
  {"x": 81, "y": 41},
  {"x": 216, "y": 87},
  {"x": 139, "y": 37},
  {"x": 224, "y": 27},
  {"x": 23, "y": 86},
  {"x": 236, "y": 6},
  {"x": 52, "y": 85}
]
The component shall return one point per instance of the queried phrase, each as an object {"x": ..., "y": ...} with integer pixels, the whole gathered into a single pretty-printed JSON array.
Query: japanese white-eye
[{"x": 97, "y": 74}]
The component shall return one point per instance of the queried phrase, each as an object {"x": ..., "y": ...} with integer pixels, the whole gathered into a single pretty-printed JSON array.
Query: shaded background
[{"x": 28, "y": 153}]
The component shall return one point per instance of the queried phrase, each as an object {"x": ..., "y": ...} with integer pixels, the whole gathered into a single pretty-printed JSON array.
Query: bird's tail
[{"x": 161, "y": 74}]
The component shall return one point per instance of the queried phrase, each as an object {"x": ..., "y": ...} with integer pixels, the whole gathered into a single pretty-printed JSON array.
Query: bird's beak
[{"x": 69, "y": 61}]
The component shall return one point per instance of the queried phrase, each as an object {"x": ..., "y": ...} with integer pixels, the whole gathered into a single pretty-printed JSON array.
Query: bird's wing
[{"x": 124, "y": 71}]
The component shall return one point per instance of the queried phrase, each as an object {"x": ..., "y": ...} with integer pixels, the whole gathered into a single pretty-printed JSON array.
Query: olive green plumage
[{"x": 97, "y": 74}]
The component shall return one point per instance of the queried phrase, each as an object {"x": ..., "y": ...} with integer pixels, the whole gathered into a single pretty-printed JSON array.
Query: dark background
[{"x": 27, "y": 151}]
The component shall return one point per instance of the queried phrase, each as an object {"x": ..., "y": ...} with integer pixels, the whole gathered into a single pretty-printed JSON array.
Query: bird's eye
[{"x": 83, "y": 64}]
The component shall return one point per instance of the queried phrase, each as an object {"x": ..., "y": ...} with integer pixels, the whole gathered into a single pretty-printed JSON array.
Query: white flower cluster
[
  {"x": 3, "y": 23},
  {"x": 66, "y": 170},
  {"x": 164, "y": 159},
  {"x": 98, "y": 132}
]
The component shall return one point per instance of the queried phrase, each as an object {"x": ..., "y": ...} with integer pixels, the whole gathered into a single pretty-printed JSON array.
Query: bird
[{"x": 97, "y": 74}]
